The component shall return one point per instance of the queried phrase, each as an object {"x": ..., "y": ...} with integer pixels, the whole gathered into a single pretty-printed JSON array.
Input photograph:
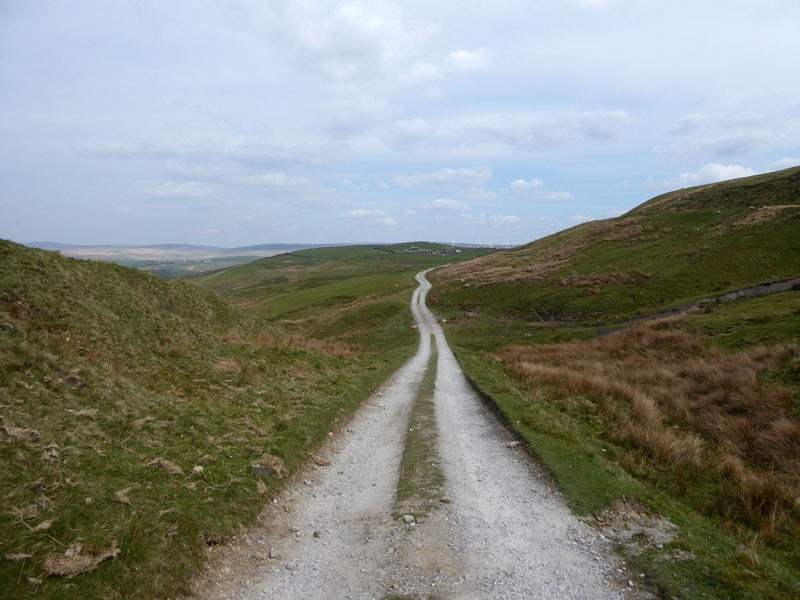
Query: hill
[
  {"x": 309, "y": 283},
  {"x": 618, "y": 351},
  {"x": 143, "y": 420}
]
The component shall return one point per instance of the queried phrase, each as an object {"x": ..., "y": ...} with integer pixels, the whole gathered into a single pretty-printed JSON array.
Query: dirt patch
[{"x": 633, "y": 526}]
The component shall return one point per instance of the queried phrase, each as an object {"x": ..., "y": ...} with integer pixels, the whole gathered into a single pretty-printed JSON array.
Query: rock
[
  {"x": 273, "y": 554},
  {"x": 408, "y": 519},
  {"x": 317, "y": 534},
  {"x": 446, "y": 500},
  {"x": 197, "y": 470},
  {"x": 513, "y": 444}
]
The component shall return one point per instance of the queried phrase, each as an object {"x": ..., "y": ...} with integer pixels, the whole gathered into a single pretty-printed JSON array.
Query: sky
[{"x": 239, "y": 122}]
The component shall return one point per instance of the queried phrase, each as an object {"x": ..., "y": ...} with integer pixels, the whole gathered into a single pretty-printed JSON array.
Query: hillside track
[{"x": 331, "y": 534}]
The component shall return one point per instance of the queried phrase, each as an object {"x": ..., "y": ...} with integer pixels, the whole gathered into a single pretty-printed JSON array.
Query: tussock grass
[{"x": 701, "y": 413}]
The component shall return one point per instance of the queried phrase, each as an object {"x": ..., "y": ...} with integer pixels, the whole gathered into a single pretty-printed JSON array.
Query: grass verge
[
  {"x": 421, "y": 476},
  {"x": 597, "y": 464}
]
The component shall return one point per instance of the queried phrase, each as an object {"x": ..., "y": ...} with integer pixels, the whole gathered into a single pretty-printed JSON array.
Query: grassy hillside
[
  {"x": 670, "y": 251},
  {"x": 312, "y": 282},
  {"x": 696, "y": 417},
  {"x": 142, "y": 419}
]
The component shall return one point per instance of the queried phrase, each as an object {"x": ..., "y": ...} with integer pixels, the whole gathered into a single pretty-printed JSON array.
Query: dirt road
[{"x": 331, "y": 534}]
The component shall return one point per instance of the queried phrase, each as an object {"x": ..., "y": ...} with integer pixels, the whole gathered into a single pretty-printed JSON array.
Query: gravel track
[{"x": 506, "y": 534}]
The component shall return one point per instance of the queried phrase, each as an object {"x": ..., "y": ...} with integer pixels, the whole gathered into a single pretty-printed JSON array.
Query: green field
[
  {"x": 696, "y": 417},
  {"x": 312, "y": 282}
]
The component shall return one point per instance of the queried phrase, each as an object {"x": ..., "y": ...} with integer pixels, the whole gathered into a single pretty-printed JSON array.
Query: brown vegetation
[
  {"x": 701, "y": 413},
  {"x": 765, "y": 213},
  {"x": 529, "y": 263}
]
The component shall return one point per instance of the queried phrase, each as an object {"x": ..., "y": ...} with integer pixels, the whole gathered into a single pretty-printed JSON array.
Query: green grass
[
  {"x": 421, "y": 476},
  {"x": 105, "y": 369},
  {"x": 312, "y": 282},
  {"x": 581, "y": 282},
  {"x": 687, "y": 246}
]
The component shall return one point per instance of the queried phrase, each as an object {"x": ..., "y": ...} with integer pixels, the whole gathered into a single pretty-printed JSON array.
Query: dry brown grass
[
  {"x": 695, "y": 410},
  {"x": 528, "y": 264},
  {"x": 765, "y": 213},
  {"x": 296, "y": 342}
]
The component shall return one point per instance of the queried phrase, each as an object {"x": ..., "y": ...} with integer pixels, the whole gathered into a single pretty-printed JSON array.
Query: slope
[
  {"x": 143, "y": 419},
  {"x": 311, "y": 282},
  {"x": 695, "y": 416}
]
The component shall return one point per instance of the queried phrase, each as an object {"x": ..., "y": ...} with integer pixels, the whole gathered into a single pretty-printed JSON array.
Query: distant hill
[{"x": 165, "y": 252}]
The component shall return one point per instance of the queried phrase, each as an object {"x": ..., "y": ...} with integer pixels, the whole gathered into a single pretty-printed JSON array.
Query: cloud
[
  {"x": 556, "y": 196},
  {"x": 187, "y": 189},
  {"x": 445, "y": 178},
  {"x": 347, "y": 41},
  {"x": 786, "y": 163},
  {"x": 385, "y": 221},
  {"x": 519, "y": 132},
  {"x": 420, "y": 73},
  {"x": 207, "y": 153},
  {"x": 470, "y": 60},
  {"x": 725, "y": 145},
  {"x": 447, "y": 204},
  {"x": 477, "y": 194},
  {"x": 360, "y": 212},
  {"x": 687, "y": 124},
  {"x": 711, "y": 173},
  {"x": 277, "y": 180},
  {"x": 522, "y": 185}
]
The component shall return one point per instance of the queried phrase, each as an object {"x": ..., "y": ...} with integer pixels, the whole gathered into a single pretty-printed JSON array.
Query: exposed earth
[{"x": 501, "y": 532}]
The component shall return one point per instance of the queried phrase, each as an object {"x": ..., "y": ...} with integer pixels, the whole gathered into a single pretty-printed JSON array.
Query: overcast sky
[{"x": 236, "y": 122}]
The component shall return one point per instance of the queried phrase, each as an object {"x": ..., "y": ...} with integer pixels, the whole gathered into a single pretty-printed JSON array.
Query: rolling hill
[
  {"x": 618, "y": 351},
  {"x": 143, "y": 420}
]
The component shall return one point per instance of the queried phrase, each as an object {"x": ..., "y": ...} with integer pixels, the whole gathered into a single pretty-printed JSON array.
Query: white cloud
[
  {"x": 447, "y": 204},
  {"x": 385, "y": 221},
  {"x": 711, "y": 173},
  {"x": 470, "y": 60},
  {"x": 187, "y": 189},
  {"x": 786, "y": 163},
  {"x": 360, "y": 212},
  {"x": 477, "y": 194},
  {"x": 687, "y": 124},
  {"x": 421, "y": 73},
  {"x": 445, "y": 178},
  {"x": 411, "y": 211},
  {"x": 276, "y": 180},
  {"x": 520, "y": 132},
  {"x": 348, "y": 41},
  {"x": 522, "y": 185}
]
